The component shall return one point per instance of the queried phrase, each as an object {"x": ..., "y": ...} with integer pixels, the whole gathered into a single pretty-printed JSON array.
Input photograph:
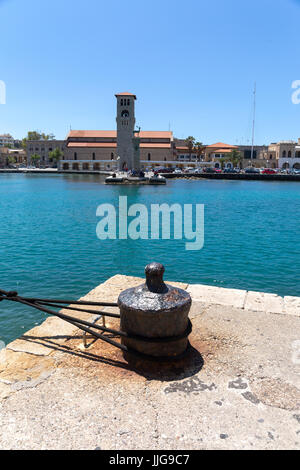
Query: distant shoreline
[{"x": 215, "y": 176}]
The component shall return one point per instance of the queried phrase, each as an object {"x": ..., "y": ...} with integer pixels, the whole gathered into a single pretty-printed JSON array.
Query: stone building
[
  {"x": 110, "y": 150},
  {"x": 10, "y": 157},
  {"x": 43, "y": 148},
  {"x": 6, "y": 139},
  {"x": 286, "y": 153}
]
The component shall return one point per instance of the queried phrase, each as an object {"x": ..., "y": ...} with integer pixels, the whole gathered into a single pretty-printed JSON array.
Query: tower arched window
[
  {"x": 75, "y": 156},
  {"x": 289, "y": 154},
  {"x": 94, "y": 156},
  {"x": 149, "y": 156},
  {"x": 284, "y": 154},
  {"x": 124, "y": 113}
]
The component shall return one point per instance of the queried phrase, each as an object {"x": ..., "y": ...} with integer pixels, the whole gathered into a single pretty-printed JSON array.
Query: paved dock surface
[{"x": 238, "y": 388}]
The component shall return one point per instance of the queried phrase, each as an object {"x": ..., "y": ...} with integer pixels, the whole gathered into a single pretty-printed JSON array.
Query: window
[
  {"x": 128, "y": 102},
  {"x": 284, "y": 154},
  {"x": 75, "y": 156},
  {"x": 289, "y": 154},
  {"x": 124, "y": 113},
  {"x": 85, "y": 166},
  {"x": 121, "y": 102},
  {"x": 111, "y": 156},
  {"x": 149, "y": 157},
  {"x": 94, "y": 156}
]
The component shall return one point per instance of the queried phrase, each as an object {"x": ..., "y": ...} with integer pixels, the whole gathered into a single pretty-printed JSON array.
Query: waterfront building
[
  {"x": 110, "y": 150},
  {"x": 287, "y": 153},
  {"x": 43, "y": 148},
  {"x": 11, "y": 157},
  {"x": 5, "y": 140}
]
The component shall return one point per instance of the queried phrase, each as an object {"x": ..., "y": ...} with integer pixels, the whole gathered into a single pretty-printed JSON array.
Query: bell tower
[{"x": 125, "y": 129}]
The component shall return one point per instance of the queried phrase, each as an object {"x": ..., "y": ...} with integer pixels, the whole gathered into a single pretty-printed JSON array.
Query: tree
[
  {"x": 190, "y": 142},
  {"x": 199, "y": 149},
  {"x": 11, "y": 160},
  {"x": 35, "y": 158},
  {"x": 36, "y": 135},
  {"x": 56, "y": 155},
  {"x": 222, "y": 160},
  {"x": 235, "y": 157}
]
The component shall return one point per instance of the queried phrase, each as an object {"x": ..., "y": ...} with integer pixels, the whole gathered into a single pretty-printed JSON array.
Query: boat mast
[{"x": 253, "y": 125}]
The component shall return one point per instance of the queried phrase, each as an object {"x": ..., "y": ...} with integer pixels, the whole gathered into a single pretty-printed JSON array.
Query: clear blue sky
[{"x": 192, "y": 65}]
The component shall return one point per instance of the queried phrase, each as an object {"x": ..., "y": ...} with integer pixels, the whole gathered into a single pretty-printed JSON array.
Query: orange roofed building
[{"x": 108, "y": 150}]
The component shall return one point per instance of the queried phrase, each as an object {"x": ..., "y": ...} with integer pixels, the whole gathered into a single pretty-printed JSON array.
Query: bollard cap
[
  {"x": 154, "y": 277},
  {"x": 154, "y": 295}
]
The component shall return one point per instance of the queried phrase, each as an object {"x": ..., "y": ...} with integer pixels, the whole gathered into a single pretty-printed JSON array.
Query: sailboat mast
[{"x": 253, "y": 125}]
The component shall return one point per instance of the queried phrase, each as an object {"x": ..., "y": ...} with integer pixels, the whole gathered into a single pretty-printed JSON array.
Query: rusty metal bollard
[{"x": 155, "y": 315}]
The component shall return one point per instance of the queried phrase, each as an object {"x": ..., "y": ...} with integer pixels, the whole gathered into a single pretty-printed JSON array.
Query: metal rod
[
  {"x": 114, "y": 315},
  {"x": 69, "y": 318},
  {"x": 74, "y": 322},
  {"x": 75, "y": 302}
]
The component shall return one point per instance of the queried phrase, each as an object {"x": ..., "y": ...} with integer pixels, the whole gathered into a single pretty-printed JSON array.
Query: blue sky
[{"x": 192, "y": 65}]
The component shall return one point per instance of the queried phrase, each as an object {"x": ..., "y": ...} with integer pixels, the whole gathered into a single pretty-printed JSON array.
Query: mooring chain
[{"x": 84, "y": 325}]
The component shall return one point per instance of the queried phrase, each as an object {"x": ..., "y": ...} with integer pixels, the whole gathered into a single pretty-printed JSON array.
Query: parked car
[
  {"x": 230, "y": 170},
  {"x": 209, "y": 170},
  {"x": 268, "y": 171},
  {"x": 252, "y": 170},
  {"x": 189, "y": 169},
  {"x": 164, "y": 170},
  {"x": 178, "y": 170}
]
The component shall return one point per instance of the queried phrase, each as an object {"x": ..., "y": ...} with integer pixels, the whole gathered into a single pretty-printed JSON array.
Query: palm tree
[
  {"x": 190, "y": 142},
  {"x": 199, "y": 149},
  {"x": 235, "y": 157}
]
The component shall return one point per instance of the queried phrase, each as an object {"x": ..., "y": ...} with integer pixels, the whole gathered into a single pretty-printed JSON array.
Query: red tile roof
[
  {"x": 113, "y": 145},
  {"x": 125, "y": 94},
  {"x": 113, "y": 134},
  {"x": 91, "y": 134},
  {"x": 223, "y": 151},
  {"x": 92, "y": 144},
  {"x": 221, "y": 145},
  {"x": 156, "y": 134},
  {"x": 154, "y": 145}
]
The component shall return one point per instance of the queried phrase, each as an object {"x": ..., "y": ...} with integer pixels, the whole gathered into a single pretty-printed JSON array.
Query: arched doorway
[
  {"x": 96, "y": 167},
  {"x": 75, "y": 166},
  {"x": 285, "y": 166},
  {"x": 297, "y": 166},
  {"x": 65, "y": 166}
]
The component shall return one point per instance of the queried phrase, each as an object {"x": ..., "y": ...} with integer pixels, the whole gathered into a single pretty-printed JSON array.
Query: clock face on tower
[{"x": 125, "y": 113}]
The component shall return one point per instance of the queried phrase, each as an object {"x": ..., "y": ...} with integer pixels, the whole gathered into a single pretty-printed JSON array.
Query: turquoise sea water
[{"x": 49, "y": 245}]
